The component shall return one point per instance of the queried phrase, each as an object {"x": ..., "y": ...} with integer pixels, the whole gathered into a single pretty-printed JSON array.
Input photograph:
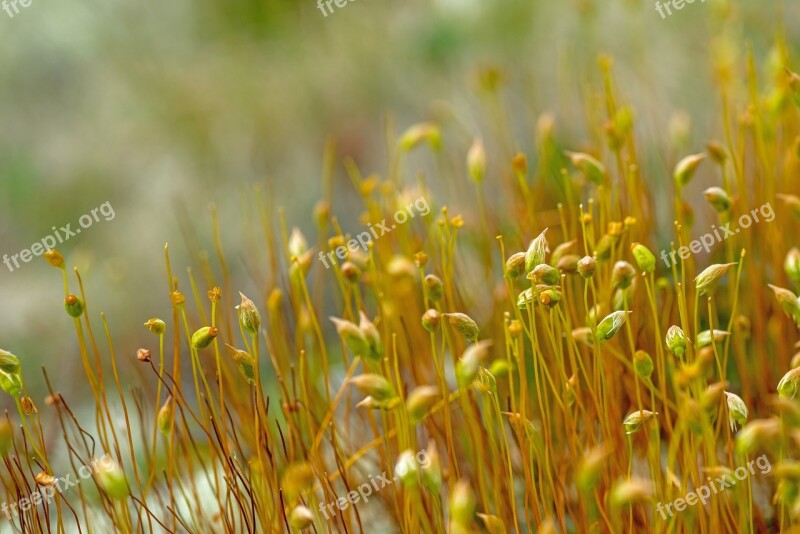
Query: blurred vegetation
[
  {"x": 156, "y": 107},
  {"x": 183, "y": 112}
]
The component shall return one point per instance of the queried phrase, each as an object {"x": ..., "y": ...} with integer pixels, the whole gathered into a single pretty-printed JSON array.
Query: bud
[
  {"x": 788, "y": 469},
  {"x": 178, "y": 299},
  {"x": 214, "y": 294},
  {"x": 676, "y": 341},
  {"x": 720, "y": 472},
  {"x": 710, "y": 397},
  {"x": 595, "y": 312},
  {"x": 322, "y": 210},
  {"x": 401, "y": 267},
  {"x": 590, "y": 469},
  {"x": 499, "y": 368},
  {"x": 45, "y": 479},
  {"x": 166, "y": 416},
  {"x": 406, "y": 469},
  {"x": 545, "y": 274},
  {"x": 686, "y": 168},
  {"x": 336, "y": 242},
  {"x": 434, "y": 288},
  {"x": 568, "y": 263},
  {"x": 111, "y": 479},
  {"x": 374, "y": 385},
  {"x": 432, "y": 473},
  {"x": 792, "y": 265},
  {"x": 470, "y": 363},
  {"x": 757, "y": 433},
  {"x": 787, "y": 387},
  {"x": 717, "y": 152},
  {"x": 462, "y": 504},
  {"x": 352, "y": 336},
  {"x": 9, "y": 363},
  {"x": 592, "y": 169},
  {"x": 10, "y": 373},
  {"x": 297, "y": 478},
  {"x": 156, "y": 326},
  {"x": 28, "y": 407},
  {"x": 249, "y": 318},
  {"x": 297, "y": 244},
  {"x": 373, "y": 338},
  {"x": 525, "y": 298},
  {"x": 476, "y": 161},
  {"x": 562, "y": 250},
  {"x": 351, "y": 271},
  {"x": 536, "y": 252},
  {"x": 520, "y": 165},
  {"x": 621, "y": 300},
  {"x": 626, "y": 492},
  {"x": 707, "y": 281},
  {"x": 718, "y": 198},
  {"x": 550, "y": 298},
  {"x": 586, "y": 267},
  {"x": 602, "y": 250},
  {"x": 622, "y": 275},
  {"x": 583, "y": 335},
  {"x": 634, "y": 421},
  {"x": 570, "y": 392},
  {"x": 706, "y": 337},
  {"x": 11, "y": 384},
  {"x": 418, "y": 133},
  {"x": 54, "y": 258},
  {"x": 704, "y": 362},
  {"x": 645, "y": 259},
  {"x": 301, "y": 517},
  {"x": 73, "y": 305},
  {"x": 245, "y": 362},
  {"x": 737, "y": 411},
  {"x": 789, "y": 410},
  {"x": 609, "y": 326},
  {"x": 420, "y": 401},
  {"x": 515, "y": 265},
  {"x": 464, "y": 324},
  {"x": 374, "y": 404},
  {"x": 203, "y": 337},
  {"x": 430, "y": 320},
  {"x": 143, "y": 355},
  {"x": 788, "y": 302},
  {"x": 642, "y": 364}
]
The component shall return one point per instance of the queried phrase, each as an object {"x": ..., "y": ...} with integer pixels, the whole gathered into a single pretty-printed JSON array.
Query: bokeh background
[{"x": 163, "y": 108}]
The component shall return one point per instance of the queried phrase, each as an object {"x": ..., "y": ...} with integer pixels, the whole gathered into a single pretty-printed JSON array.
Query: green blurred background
[{"x": 162, "y": 108}]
